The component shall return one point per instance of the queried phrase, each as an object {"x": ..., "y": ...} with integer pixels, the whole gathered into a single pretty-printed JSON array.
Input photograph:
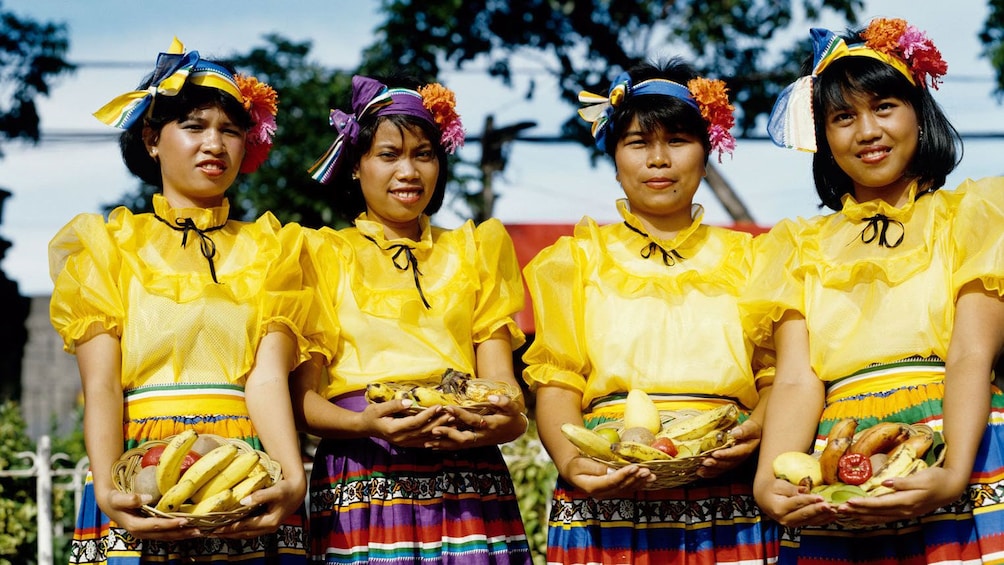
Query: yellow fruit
[
  {"x": 640, "y": 411},
  {"x": 798, "y": 468},
  {"x": 702, "y": 424},
  {"x": 379, "y": 392},
  {"x": 638, "y": 452},
  {"x": 258, "y": 480},
  {"x": 234, "y": 473},
  {"x": 219, "y": 502},
  {"x": 590, "y": 443},
  {"x": 169, "y": 466},
  {"x": 609, "y": 434},
  {"x": 197, "y": 475}
]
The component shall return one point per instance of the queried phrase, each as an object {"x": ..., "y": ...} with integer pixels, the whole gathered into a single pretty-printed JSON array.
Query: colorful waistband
[
  {"x": 881, "y": 377},
  {"x": 184, "y": 398},
  {"x": 665, "y": 401}
]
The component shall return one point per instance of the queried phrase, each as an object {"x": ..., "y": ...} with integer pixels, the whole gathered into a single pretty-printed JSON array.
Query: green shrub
[{"x": 533, "y": 476}]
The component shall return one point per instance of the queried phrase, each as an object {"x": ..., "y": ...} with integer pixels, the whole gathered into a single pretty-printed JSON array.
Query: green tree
[
  {"x": 585, "y": 42},
  {"x": 32, "y": 55},
  {"x": 992, "y": 37}
]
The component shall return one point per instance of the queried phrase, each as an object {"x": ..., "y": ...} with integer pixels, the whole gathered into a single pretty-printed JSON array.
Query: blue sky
[{"x": 52, "y": 181}]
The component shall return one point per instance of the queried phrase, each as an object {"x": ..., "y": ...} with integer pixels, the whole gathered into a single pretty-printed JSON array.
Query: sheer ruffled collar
[
  {"x": 681, "y": 237},
  {"x": 374, "y": 231},
  {"x": 204, "y": 218},
  {"x": 855, "y": 210}
]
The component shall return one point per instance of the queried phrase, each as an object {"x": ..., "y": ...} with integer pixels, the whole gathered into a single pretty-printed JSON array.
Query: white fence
[{"x": 42, "y": 468}]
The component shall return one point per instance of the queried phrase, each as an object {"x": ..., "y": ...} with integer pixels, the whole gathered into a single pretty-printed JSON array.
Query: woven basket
[
  {"x": 671, "y": 473},
  {"x": 126, "y": 467},
  {"x": 475, "y": 400}
]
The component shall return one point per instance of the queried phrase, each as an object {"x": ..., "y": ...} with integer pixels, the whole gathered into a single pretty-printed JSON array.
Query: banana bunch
[
  {"x": 216, "y": 482},
  {"x": 853, "y": 465},
  {"x": 454, "y": 389},
  {"x": 636, "y": 442}
]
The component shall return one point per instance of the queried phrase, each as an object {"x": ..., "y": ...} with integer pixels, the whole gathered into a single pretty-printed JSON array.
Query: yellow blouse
[
  {"x": 613, "y": 312},
  {"x": 378, "y": 325},
  {"x": 865, "y": 302},
  {"x": 132, "y": 277}
]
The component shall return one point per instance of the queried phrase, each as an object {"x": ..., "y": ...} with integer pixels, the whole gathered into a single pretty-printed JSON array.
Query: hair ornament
[
  {"x": 174, "y": 69},
  {"x": 262, "y": 102},
  {"x": 896, "y": 38},
  {"x": 707, "y": 96},
  {"x": 892, "y": 41},
  {"x": 433, "y": 103},
  {"x": 442, "y": 103}
]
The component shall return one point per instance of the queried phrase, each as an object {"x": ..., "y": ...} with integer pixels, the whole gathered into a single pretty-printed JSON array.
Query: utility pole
[
  {"x": 727, "y": 196},
  {"x": 494, "y": 155}
]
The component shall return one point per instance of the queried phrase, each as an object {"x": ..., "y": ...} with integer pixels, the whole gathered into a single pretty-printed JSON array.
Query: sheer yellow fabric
[
  {"x": 378, "y": 327},
  {"x": 609, "y": 320},
  {"x": 132, "y": 277},
  {"x": 866, "y": 303}
]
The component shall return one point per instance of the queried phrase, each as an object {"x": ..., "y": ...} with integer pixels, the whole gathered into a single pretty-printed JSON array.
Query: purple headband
[{"x": 369, "y": 96}]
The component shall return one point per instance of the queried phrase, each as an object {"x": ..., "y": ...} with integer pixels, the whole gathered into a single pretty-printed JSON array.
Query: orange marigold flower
[
  {"x": 258, "y": 94},
  {"x": 883, "y": 34}
]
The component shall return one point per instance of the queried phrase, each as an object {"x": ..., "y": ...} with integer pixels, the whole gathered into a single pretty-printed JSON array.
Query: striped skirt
[
  {"x": 705, "y": 522},
  {"x": 970, "y": 530},
  {"x": 373, "y": 502},
  {"x": 98, "y": 540}
]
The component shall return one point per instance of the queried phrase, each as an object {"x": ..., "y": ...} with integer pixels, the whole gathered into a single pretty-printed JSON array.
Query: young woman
[
  {"x": 649, "y": 303},
  {"x": 184, "y": 319},
  {"x": 887, "y": 309},
  {"x": 405, "y": 301}
]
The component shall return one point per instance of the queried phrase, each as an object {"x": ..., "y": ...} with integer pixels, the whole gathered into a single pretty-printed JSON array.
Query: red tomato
[
  {"x": 152, "y": 456},
  {"x": 190, "y": 457},
  {"x": 666, "y": 445}
]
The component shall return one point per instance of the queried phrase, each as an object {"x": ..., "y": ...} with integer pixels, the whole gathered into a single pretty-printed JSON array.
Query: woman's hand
[
  {"x": 792, "y": 505},
  {"x": 279, "y": 500},
  {"x": 122, "y": 508},
  {"x": 388, "y": 421},
  {"x": 506, "y": 423},
  {"x": 914, "y": 496},
  {"x": 600, "y": 481},
  {"x": 747, "y": 440}
]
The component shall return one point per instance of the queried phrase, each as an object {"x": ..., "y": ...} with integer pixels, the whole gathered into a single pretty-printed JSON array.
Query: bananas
[
  {"x": 197, "y": 475},
  {"x": 857, "y": 465},
  {"x": 701, "y": 424},
  {"x": 454, "y": 389},
  {"x": 638, "y": 452},
  {"x": 216, "y": 482},
  {"x": 589, "y": 442},
  {"x": 169, "y": 466},
  {"x": 236, "y": 471}
]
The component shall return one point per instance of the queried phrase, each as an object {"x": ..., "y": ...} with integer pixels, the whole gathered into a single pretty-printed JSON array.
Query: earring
[
  {"x": 920, "y": 134},
  {"x": 355, "y": 176}
]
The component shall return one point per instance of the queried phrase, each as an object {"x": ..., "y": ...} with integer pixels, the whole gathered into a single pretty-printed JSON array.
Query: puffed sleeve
[
  {"x": 501, "y": 285},
  {"x": 979, "y": 256},
  {"x": 288, "y": 293},
  {"x": 84, "y": 264},
  {"x": 322, "y": 270},
  {"x": 557, "y": 291},
  {"x": 773, "y": 288}
]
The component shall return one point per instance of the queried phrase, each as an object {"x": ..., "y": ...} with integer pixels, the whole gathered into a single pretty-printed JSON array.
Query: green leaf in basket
[{"x": 937, "y": 446}]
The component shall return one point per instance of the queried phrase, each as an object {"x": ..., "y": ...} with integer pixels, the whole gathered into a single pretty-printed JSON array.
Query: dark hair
[
  {"x": 347, "y": 197},
  {"x": 936, "y": 154},
  {"x": 653, "y": 112},
  {"x": 167, "y": 109}
]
